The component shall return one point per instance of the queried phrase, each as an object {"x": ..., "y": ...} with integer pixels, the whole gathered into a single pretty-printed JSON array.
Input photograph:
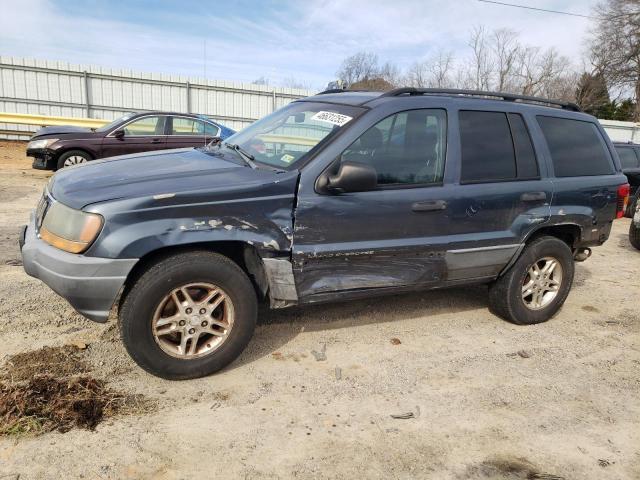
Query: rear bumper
[{"x": 89, "y": 284}]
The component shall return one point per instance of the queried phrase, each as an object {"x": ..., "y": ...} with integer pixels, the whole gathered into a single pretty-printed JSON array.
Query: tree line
[{"x": 606, "y": 84}]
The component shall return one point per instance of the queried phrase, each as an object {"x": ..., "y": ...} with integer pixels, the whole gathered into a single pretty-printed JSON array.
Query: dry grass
[{"x": 51, "y": 389}]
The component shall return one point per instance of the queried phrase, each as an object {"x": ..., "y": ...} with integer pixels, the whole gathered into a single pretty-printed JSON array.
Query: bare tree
[
  {"x": 292, "y": 82},
  {"x": 615, "y": 45},
  {"x": 481, "y": 64},
  {"x": 435, "y": 71},
  {"x": 506, "y": 49},
  {"x": 440, "y": 69},
  {"x": 358, "y": 67}
]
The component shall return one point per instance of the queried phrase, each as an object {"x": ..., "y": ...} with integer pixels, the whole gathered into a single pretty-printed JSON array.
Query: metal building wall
[{"x": 85, "y": 91}]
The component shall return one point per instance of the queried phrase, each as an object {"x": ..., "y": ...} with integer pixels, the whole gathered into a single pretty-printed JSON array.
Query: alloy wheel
[
  {"x": 193, "y": 321},
  {"x": 542, "y": 283}
]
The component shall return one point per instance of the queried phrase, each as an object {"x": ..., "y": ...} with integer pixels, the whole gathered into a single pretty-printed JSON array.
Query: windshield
[
  {"x": 284, "y": 137},
  {"x": 110, "y": 125}
]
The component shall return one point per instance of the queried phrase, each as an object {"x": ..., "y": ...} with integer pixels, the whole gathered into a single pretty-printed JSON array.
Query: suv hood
[{"x": 168, "y": 172}]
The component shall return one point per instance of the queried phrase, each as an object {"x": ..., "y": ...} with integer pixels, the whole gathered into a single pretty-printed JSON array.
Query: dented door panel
[{"x": 369, "y": 240}]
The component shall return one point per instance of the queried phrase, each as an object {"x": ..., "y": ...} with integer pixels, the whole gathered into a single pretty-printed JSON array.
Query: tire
[
  {"x": 71, "y": 158},
  {"x": 634, "y": 235},
  {"x": 506, "y": 293},
  {"x": 631, "y": 207},
  {"x": 138, "y": 315}
]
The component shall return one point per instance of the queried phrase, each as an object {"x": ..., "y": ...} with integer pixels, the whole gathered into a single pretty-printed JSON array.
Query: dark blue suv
[{"x": 337, "y": 196}]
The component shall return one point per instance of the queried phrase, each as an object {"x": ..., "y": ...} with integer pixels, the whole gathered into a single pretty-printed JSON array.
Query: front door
[
  {"x": 392, "y": 236},
  {"x": 141, "y": 135}
]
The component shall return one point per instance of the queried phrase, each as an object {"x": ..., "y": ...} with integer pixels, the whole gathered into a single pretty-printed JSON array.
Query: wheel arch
[
  {"x": 570, "y": 233},
  {"x": 64, "y": 150},
  {"x": 243, "y": 254}
]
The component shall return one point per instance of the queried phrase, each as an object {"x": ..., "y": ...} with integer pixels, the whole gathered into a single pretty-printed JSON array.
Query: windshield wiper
[{"x": 246, "y": 156}]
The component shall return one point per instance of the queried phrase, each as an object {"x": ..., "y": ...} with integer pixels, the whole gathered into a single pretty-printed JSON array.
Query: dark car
[
  {"x": 56, "y": 147},
  {"x": 629, "y": 154},
  {"x": 338, "y": 196}
]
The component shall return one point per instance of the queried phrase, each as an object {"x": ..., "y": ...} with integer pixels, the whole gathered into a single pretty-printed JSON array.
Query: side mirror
[
  {"x": 215, "y": 141},
  {"x": 119, "y": 134},
  {"x": 352, "y": 177}
]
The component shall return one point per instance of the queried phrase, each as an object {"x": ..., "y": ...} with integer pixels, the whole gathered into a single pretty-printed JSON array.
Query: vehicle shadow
[{"x": 276, "y": 328}]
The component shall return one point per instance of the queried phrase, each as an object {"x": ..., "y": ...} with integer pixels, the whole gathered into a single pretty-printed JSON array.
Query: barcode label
[{"x": 331, "y": 117}]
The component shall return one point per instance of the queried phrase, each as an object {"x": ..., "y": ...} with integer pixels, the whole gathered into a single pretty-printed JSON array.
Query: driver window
[{"x": 405, "y": 148}]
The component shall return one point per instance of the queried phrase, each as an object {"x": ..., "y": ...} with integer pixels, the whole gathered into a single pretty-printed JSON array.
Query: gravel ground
[{"x": 489, "y": 399}]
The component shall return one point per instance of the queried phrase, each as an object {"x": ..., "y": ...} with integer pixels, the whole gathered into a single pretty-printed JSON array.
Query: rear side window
[
  {"x": 576, "y": 147},
  {"x": 628, "y": 157},
  {"x": 526, "y": 163},
  {"x": 495, "y": 146},
  {"x": 487, "y": 148}
]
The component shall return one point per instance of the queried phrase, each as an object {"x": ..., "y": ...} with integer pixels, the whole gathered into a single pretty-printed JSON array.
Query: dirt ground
[{"x": 490, "y": 400}]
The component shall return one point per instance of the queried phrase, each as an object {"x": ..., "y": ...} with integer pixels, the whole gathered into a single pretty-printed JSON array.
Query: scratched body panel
[{"x": 209, "y": 199}]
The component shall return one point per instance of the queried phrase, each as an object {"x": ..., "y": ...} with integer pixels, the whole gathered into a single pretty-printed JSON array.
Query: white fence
[
  {"x": 622, "y": 131},
  {"x": 61, "y": 89}
]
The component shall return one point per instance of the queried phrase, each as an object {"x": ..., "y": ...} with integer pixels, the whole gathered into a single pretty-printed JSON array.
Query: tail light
[{"x": 623, "y": 199}]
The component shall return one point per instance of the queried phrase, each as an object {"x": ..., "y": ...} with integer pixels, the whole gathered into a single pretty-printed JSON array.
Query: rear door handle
[
  {"x": 533, "y": 196},
  {"x": 156, "y": 140},
  {"x": 429, "y": 206}
]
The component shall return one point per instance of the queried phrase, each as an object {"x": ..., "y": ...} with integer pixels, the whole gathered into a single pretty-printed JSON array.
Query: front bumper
[
  {"x": 43, "y": 158},
  {"x": 89, "y": 284}
]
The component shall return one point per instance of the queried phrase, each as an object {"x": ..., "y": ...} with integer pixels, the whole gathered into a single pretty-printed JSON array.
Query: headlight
[
  {"x": 35, "y": 144},
  {"x": 69, "y": 229}
]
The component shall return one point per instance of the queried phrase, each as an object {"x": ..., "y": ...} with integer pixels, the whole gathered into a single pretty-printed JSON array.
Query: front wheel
[
  {"x": 536, "y": 286},
  {"x": 71, "y": 158},
  {"x": 188, "y": 316}
]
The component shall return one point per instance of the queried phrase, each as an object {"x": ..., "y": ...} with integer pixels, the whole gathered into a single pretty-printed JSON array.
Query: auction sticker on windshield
[{"x": 331, "y": 117}]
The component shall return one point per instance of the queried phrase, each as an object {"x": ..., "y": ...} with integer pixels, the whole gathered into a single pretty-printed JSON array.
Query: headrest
[{"x": 371, "y": 139}]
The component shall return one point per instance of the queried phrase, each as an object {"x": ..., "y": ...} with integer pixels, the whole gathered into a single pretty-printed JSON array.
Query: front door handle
[
  {"x": 533, "y": 196},
  {"x": 429, "y": 206},
  {"x": 156, "y": 140}
]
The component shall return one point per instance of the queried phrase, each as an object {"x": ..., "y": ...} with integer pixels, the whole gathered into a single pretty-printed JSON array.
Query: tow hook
[{"x": 582, "y": 254}]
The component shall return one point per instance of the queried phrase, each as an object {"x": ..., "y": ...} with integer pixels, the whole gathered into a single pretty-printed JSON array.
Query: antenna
[{"x": 204, "y": 125}]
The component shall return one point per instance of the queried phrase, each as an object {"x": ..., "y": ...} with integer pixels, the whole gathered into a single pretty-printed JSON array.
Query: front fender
[{"x": 133, "y": 228}]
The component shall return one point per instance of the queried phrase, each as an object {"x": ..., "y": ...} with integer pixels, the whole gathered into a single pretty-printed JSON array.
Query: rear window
[
  {"x": 495, "y": 147},
  {"x": 487, "y": 148},
  {"x": 628, "y": 157},
  {"x": 577, "y": 148}
]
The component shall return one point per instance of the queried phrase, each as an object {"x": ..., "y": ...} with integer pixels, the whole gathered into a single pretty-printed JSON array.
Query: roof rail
[{"x": 508, "y": 97}]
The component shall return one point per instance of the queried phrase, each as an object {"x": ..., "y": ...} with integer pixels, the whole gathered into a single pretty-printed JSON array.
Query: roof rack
[{"x": 508, "y": 97}]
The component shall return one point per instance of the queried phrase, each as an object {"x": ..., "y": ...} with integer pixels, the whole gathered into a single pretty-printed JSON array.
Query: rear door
[
  {"x": 140, "y": 135},
  {"x": 501, "y": 196},
  {"x": 189, "y": 132}
]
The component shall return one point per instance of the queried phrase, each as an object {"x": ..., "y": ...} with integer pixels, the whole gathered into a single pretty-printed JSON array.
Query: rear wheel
[
  {"x": 72, "y": 157},
  {"x": 188, "y": 316},
  {"x": 631, "y": 205},
  {"x": 536, "y": 286},
  {"x": 634, "y": 235}
]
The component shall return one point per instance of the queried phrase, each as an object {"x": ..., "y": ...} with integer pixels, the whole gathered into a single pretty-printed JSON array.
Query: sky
[{"x": 276, "y": 39}]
